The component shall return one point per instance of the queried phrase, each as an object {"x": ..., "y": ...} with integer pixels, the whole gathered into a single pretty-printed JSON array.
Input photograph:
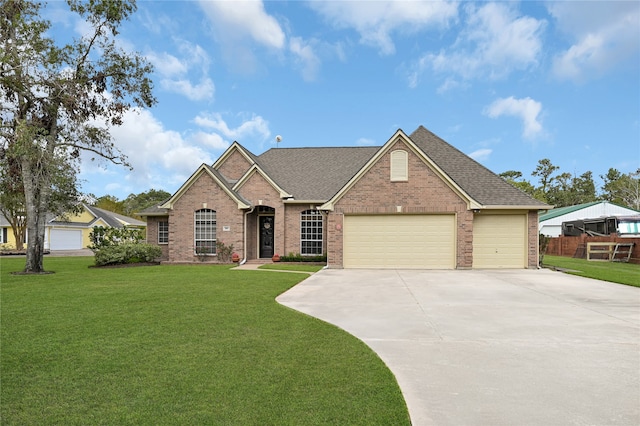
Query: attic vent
[{"x": 399, "y": 166}]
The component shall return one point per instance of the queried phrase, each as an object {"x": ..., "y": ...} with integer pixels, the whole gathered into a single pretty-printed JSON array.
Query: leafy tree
[
  {"x": 623, "y": 189},
  {"x": 583, "y": 189},
  {"x": 610, "y": 188},
  {"x": 12, "y": 198},
  {"x": 512, "y": 177},
  {"x": 544, "y": 172},
  {"x": 57, "y": 101},
  {"x": 111, "y": 203},
  {"x": 135, "y": 203}
]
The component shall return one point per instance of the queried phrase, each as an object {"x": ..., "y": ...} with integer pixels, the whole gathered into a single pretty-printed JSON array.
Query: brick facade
[
  {"x": 234, "y": 166},
  {"x": 423, "y": 192},
  {"x": 203, "y": 193},
  {"x": 152, "y": 234}
]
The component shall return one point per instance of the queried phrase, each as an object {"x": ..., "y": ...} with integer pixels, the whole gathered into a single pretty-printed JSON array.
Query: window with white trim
[
  {"x": 399, "y": 166},
  {"x": 310, "y": 233},
  {"x": 163, "y": 232},
  {"x": 205, "y": 231}
]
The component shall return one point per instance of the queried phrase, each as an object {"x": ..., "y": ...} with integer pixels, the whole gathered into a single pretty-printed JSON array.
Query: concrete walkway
[{"x": 508, "y": 347}]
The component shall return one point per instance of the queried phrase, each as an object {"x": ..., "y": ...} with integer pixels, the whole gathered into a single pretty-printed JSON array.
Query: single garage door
[
  {"x": 399, "y": 241},
  {"x": 65, "y": 239},
  {"x": 500, "y": 241}
]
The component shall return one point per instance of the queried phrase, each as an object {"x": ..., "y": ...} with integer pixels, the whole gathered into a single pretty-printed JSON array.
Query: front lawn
[
  {"x": 296, "y": 267},
  {"x": 617, "y": 272},
  {"x": 178, "y": 345}
]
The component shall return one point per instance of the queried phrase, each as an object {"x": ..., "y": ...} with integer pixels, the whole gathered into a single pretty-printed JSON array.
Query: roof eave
[
  {"x": 294, "y": 201},
  {"x": 515, "y": 207}
]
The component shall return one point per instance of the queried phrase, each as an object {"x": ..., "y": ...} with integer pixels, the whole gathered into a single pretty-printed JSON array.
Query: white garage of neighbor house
[
  {"x": 550, "y": 223},
  {"x": 71, "y": 231}
]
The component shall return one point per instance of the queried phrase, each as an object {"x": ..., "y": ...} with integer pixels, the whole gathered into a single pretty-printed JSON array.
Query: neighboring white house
[
  {"x": 71, "y": 231},
  {"x": 550, "y": 223}
]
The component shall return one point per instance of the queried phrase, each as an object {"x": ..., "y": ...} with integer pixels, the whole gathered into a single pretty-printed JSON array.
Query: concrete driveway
[{"x": 480, "y": 347}]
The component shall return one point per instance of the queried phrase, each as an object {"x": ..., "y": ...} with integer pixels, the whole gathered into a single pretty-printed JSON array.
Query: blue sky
[{"x": 508, "y": 83}]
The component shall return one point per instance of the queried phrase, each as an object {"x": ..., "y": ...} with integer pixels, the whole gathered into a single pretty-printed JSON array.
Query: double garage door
[
  {"x": 429, "y": 241},
  {"x": 399, "y": 241}
]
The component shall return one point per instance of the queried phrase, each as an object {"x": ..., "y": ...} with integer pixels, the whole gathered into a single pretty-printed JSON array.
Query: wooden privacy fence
[{"x": 577, "y": 246}]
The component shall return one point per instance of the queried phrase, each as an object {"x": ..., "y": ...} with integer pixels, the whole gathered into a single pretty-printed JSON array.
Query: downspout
[
  {"x": 326, "y": 230},
  {"x": 244, "y": 248}
]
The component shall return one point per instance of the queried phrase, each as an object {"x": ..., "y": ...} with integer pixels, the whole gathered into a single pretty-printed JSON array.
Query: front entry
[{"x": 265, "y": 224}]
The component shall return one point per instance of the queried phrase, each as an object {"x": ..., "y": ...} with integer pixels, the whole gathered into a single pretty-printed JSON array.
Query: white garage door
[
  {"x": 399, "y": 241},
  {"x": 65, "y": 239},
  {"x": 500, "y": 241}
]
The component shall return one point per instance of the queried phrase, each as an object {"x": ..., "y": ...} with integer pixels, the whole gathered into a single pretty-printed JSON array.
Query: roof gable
[
  {"x": 398, "y": 136},
  {"x": 478, "y": 182},
  {"x": 235, "y": 147},
  {"x": 218, "y": 179},
  {"x": 256, "y": 169}
]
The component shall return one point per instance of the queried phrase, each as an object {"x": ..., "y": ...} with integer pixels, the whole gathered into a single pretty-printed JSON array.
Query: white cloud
[
  {"x": 244, "y": 19},
  {"x": 176, "y": 73},
  {"x": 255, "y": 127},
  {"x": 527, "y": 109},
  {"x": 203, "y": 90},
  {"x": 605, "y": 34},
  {"x": 496, "y": 41},
  {"x": 161, "y": 158},
  {"x": 167, "y": 64},
  {"x": 481, "y": 154},
  {"x": 237, "y": 25},
  {"x": 376, "y": 21},
  {"x": 305, "y": 57}
]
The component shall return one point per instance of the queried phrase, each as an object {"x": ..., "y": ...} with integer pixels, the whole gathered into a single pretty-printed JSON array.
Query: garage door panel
[
  {"x": 399, "y": 241},
  {"x": 65, "y": 239},
  {"x": 499, "y": 241}
]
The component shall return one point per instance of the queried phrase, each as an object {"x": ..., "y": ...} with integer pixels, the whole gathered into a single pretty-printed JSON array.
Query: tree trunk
[{"x": 36, "y": 189}]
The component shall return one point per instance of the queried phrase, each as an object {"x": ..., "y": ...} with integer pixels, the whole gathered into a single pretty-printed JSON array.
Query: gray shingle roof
[
  {"x": 484, "y": 186},
  {"x": 314, "y": 173}
]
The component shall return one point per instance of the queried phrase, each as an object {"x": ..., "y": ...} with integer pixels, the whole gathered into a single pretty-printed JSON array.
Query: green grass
[
  {"x": 617, "y": 272},
  {"x": 291, "y": 267},
  {"x": 166, "y": 345}
]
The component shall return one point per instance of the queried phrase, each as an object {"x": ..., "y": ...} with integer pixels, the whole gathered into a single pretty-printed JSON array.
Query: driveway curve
[{"x": 492, "y": 347}]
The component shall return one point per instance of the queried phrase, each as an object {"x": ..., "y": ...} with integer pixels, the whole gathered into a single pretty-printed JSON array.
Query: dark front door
[{"x": 266, "y": 236}]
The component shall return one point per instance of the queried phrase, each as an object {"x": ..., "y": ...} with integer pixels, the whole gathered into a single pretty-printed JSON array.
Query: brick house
[{"x": 415, "y": 202}]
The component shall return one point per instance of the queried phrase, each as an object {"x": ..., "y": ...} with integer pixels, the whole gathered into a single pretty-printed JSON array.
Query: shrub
[
  {"x": 127, "y": 253},
  {"x": 291, "y": 257},
  {"x": 224, "y": 251},
  {"x": 102, "y": 237}
]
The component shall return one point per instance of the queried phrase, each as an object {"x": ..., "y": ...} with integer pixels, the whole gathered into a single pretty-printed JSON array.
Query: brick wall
[
  {"x": 259, "y": 192},
  {"x": 532, "y": 233},
  {"x": 292, "y": 228},
  {"x": 152, "y": 234},
  {"x": 424, "y": 192},
  {"x": 234, "y": 166},
  {"x": 567, "y": 246},
  {"x": 203, "y": 193}
]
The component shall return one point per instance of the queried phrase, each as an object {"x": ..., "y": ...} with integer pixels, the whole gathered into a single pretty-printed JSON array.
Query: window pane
[
  {"x": 311, "y": 232},
  {"x": 205, "y": 231}
]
